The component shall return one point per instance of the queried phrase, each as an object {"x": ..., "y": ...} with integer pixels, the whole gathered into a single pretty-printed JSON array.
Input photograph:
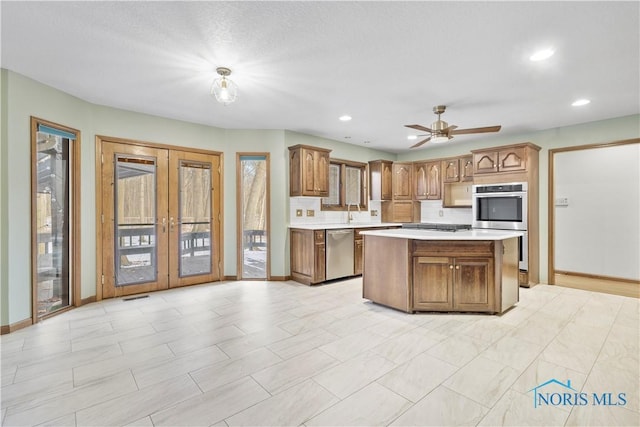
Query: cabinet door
[
  {"x": 321, "y": 174},
  {"x": 357, "y": 255},
  {"x": 432, "y": 283},
  {"x": 466, "y": 169},
  {"x": 450, "y": 170},
  {"x": 472, "y": 284},
  {"x": 403, "y": 211},
  {"x": 320, "y": 263},
  {"x": 420, "y": 177},
  {"x": 485, "y": 162},
  {"x": 513, "y": 159},
  {"x": 380, "y": 174},
  {"x": 308, "y": 172},
  {"x": 434, "y": 183},
  {"x": 402, "y": 181}
]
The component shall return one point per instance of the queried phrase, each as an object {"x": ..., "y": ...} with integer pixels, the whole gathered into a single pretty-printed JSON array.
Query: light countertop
[
  {"x": 475, "y": 234},
  {"x": 343, "y": 225}
]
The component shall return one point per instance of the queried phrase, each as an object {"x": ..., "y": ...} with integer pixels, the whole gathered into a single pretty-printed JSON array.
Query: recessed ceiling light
[
  {"x": 345, "y": 118},
  {"x": 580, "y": 102},
  {"x": 541, "y": 55},
  {"x": 412, "y": 137}
]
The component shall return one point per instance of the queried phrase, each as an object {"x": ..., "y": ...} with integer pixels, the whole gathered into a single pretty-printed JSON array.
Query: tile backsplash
[
  {"x": 433, "y": 212},
  {"x": 328, "y": 217},
  {"x": 430, "y": 211}
]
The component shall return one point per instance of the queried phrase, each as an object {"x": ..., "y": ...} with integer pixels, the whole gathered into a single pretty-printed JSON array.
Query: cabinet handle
[
  {"x": 451, "y": 267},
  {"x": 457, "y": 267}
]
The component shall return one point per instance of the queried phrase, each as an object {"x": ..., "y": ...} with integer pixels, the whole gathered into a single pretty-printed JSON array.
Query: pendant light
[{"x": 225, "y": 90}]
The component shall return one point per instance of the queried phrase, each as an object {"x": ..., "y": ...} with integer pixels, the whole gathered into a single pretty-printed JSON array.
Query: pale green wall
[
  {"x": 603, "y": 131},
  {"x": 22, "y": 97}
]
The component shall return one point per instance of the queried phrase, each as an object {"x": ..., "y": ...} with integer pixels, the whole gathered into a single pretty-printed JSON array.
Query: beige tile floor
[{"x": 280, "y": 353}]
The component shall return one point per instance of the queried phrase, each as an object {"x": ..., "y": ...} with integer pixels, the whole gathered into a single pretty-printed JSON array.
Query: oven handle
[{"x": 486, "y": 195}]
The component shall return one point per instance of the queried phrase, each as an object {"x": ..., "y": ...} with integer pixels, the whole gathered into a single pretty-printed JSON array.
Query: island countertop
[
  {"x": 474, "y": 234},
  {"x": 334, "y": 226}
]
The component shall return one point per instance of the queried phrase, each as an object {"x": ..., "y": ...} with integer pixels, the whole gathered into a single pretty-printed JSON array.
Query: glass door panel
[
  {"x": 195, "y": 218},
  {"x": 253, "y": 210},
  {"x": 52, "y": 220},
  {"x": 134, "y": 219},
  {"x": 135, "y": 212}
]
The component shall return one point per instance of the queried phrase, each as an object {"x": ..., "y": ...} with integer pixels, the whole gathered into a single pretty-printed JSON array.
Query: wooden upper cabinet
[
  {"x": 451, "y": 170},
  {"x": 512, "y": 158},
  {"x": 458, "y": 169},
  {"x": 466, "y": 169},
  {"x": 380, "y": 179},
  {"x": 308, "y": 171},
  {"x": 401, "y": 181},
  {"x": 427, "y": 181}
]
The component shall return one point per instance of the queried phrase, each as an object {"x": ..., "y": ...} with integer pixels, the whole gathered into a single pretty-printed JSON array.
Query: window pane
[
  {"x": 353, "y": 185},
  {"x": 253, "y": 185},
  {"x": 334, "y": 186}
]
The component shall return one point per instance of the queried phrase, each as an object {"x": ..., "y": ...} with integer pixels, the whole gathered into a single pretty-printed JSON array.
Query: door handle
[
  {"x": 164, "y": 224},
  {"x": 171, "y": 224}
]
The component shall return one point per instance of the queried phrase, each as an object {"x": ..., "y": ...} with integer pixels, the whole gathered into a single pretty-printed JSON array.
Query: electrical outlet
[
  {"x": 311, "y": 212},
  {"x": 298, "y": 212},
  {"x": 440, "y": 212},
  {"x": 374, "y": 212},
  {"x": 562, "y": 201}
]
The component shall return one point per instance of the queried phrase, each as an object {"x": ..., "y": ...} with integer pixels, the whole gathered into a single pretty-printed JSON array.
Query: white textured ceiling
[{"x": 300, "y": 65}]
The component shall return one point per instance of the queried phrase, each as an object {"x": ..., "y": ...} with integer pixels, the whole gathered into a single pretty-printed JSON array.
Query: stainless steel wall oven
[{"x": 502, "y": 207}]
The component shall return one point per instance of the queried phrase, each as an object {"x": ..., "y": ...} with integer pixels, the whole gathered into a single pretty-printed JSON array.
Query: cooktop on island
[{"x": 437, "y": 226}]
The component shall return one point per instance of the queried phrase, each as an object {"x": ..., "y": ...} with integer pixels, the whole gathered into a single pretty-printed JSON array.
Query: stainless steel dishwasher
[{"x": 339, "y": 261}]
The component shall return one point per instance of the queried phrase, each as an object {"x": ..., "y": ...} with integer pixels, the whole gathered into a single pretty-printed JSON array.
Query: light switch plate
[
  {"x": 311, "y": 212},
  {"x": 298, "y": 212}
]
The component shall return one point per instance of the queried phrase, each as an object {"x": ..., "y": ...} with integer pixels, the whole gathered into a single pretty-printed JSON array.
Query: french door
[{"x": 160, "y": 218}]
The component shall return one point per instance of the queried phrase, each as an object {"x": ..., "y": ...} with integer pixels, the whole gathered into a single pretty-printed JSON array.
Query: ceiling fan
[{"x": 440, "y": 130}]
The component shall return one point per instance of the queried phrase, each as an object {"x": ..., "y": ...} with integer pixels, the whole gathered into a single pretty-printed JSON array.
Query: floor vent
[{"x": 136, "y": 297}]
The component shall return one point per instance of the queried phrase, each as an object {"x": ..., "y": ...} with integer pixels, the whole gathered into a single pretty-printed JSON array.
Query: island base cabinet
[
  {"x": 472, "y": 283},
  {"x": 452, "y": 284},
  {"x": 432, "y": 283}
]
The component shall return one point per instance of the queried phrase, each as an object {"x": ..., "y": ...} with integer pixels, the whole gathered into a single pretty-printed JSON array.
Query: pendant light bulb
[{"x": 224, "y": 90}]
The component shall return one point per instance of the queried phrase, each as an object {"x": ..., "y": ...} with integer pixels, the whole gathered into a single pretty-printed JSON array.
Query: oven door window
[{"x": 507, "y": 209}]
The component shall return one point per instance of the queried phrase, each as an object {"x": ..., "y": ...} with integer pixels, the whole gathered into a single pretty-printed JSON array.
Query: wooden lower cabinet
[
  {"x": 432, "y": 283},
  {"x": 472, "y": 284},
  {"x": 308, "y": 255},
  {"x": 458, "y": 284},
  {"x": 358, "y": 252}
]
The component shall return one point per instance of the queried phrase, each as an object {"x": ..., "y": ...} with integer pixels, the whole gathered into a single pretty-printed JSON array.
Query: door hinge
[
  {"x": 101, "y": 158},
  {"x": 102, "y": 218},
  {"x": 103, "y": 279}
]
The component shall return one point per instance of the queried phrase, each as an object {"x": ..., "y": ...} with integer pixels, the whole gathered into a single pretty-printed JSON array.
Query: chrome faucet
[{"x": 349, "y": 215}]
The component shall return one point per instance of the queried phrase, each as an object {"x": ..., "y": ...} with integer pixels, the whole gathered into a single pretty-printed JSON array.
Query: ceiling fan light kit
[
  {"x": 224, "y": 89},
  {"x": 440, "y": 131}
]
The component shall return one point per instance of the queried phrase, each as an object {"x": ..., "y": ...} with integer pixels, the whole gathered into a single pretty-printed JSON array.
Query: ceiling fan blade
[
  {"x": 424, "y": 141},
  {"x": 419, "y": 127},
  {"x": 449, "y": 129},
  {"x": 475, "y": 130}
]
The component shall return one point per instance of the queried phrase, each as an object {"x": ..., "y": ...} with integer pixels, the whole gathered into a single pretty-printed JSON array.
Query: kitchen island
[{"x": 422, "y": 270}]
